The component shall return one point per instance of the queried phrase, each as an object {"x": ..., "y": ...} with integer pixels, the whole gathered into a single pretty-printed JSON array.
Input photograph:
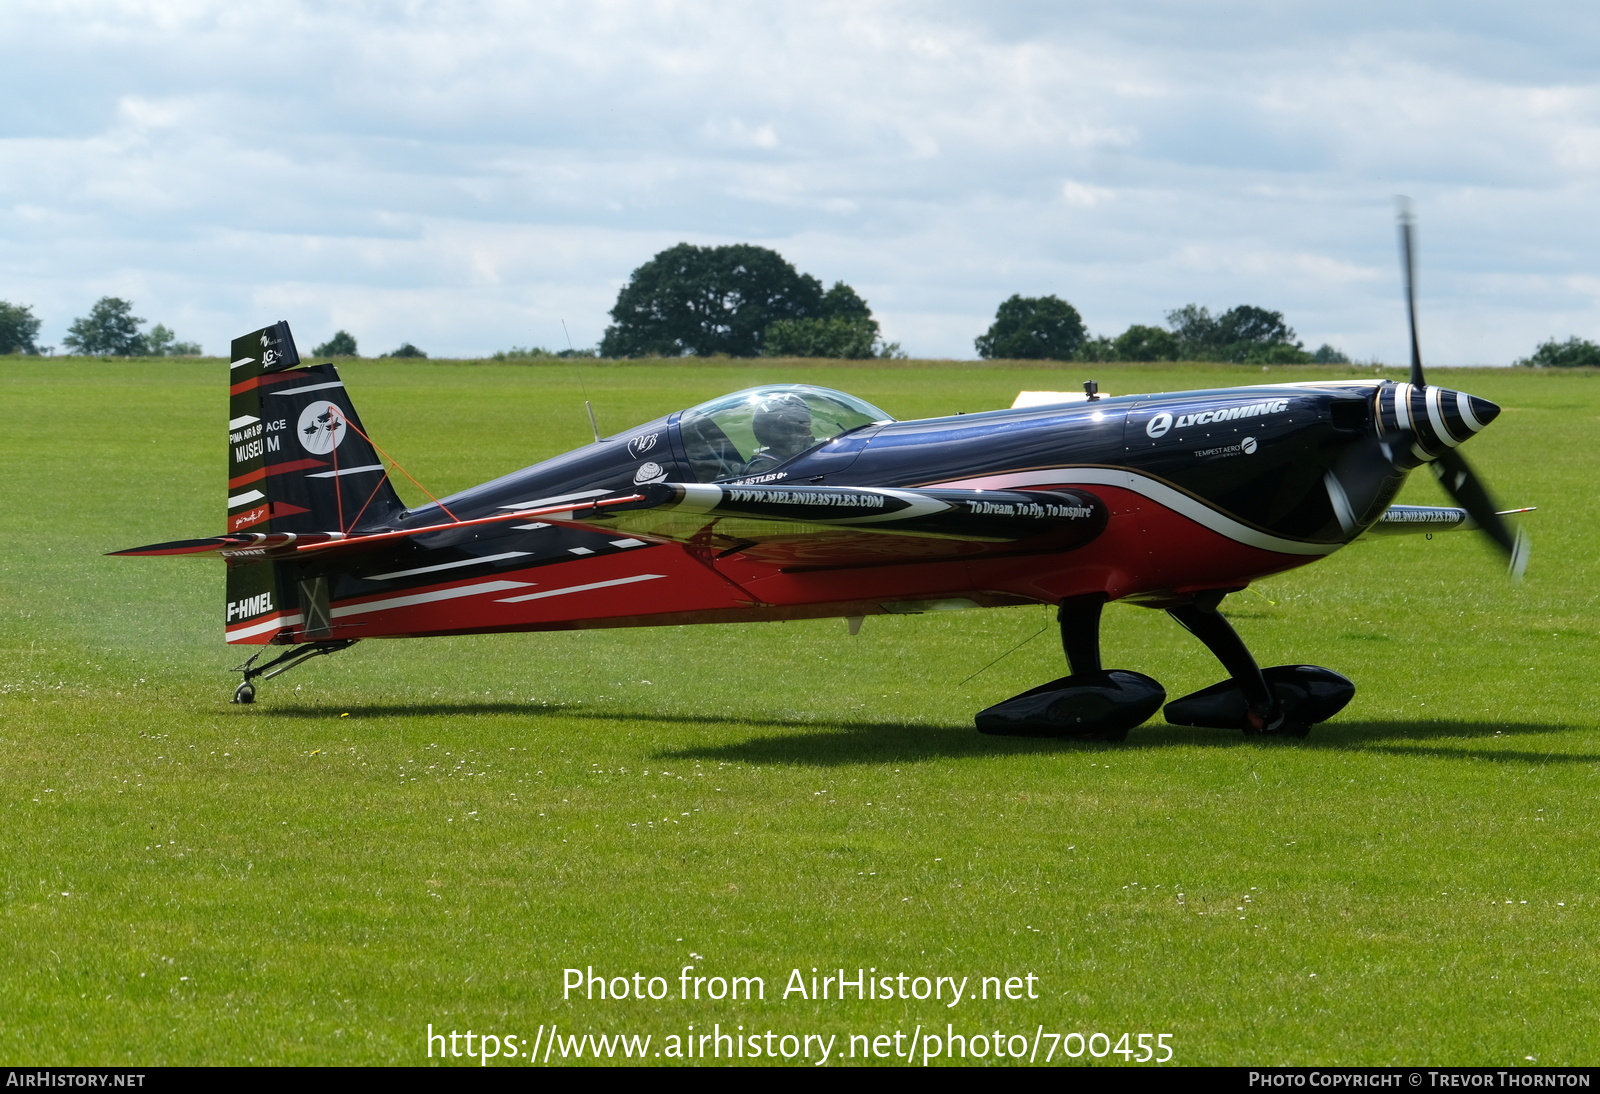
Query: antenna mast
[{"x": 588, "y": 406}]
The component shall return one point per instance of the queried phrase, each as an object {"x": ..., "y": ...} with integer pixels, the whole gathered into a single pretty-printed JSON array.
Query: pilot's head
[{"x": 782, "y": 424}]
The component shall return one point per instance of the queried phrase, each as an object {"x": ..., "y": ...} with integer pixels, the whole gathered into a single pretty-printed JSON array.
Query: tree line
[
  {"x": 343, "y": 344},
  {"x": 741, "y": 300},
  {"x": 1575, "y": 352},
  {"x": 109, "y": 330},
  {"x": 747, "y": 301},
  {"x": 1047, "y": 328},
  {"x": 112, "y": 330}
]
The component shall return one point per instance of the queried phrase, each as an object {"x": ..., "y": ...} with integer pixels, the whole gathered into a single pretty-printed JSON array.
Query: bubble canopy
[{"x": 760, "y": 428}]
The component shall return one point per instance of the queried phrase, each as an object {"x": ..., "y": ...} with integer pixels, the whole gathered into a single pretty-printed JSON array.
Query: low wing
[
  {"x": 838, "y": 525},
  {"x": 1403, "y": 520}
]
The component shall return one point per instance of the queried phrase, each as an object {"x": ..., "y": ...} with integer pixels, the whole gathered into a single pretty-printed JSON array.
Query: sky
[{"x": 468, "y": 176}]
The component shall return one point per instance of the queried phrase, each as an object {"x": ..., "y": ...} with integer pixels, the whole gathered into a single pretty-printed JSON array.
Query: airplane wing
[
  {"x": 681, "y": 510},
  {"x": 1404, "y": 520},
  {"x": 837, "y": 525}
]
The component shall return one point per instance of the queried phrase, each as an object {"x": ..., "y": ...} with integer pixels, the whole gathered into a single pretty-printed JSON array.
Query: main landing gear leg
[
  {"x": 1092, "y": 704},
  {"x": 246, "y": 691},
  {"x": 1282, "y": 701}
]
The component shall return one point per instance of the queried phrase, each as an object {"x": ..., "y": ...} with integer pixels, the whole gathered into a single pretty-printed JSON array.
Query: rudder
[
  {"x": 298, "y": 457},
  {"x": 299, "y": 460}
]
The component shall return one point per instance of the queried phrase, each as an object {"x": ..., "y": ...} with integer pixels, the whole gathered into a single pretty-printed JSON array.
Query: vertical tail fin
[{"x": 299, "y": 460}]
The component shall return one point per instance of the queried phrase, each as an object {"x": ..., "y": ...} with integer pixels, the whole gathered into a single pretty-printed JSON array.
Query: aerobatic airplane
[{"x": 798, "y": 502}]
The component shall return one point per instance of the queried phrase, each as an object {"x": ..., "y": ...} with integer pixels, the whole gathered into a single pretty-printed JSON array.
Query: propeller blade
[
  {"x": 1463, "y": 485},
  {"x": 1409, "y": 267},
  {"x": 1363, "y": 477}
]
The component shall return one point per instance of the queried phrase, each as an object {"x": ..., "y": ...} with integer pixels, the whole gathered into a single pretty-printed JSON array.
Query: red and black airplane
[{"x": 798, "y": 502}]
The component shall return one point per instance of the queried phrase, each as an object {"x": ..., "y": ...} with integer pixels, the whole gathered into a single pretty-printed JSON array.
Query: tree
[
  {"x": 342, "y": 344},
  {"x": 1195, "y": 330},
  {"x": 1253, "y": 327},
  {"x": 706, "y": 300},
  {"x": 1280, "y": 353},
  {"x": 110, "y": 329},
  {"x": 161, "y": 342},
  {"x": 1142, "y": 343},
  {"x": 843, "y": 302},
  {"x": 407, "y": 350},
  {"x": 1033, "y": 328},
  {"x": 1242, "y": 334},
  {"x": 845, "y": 338},
  {"x": 1575, "y": 352},
  {"x": 1099, "y": 347},
  {"x": 1327, "y": 355},
  {"x": 18, "y": 328}
]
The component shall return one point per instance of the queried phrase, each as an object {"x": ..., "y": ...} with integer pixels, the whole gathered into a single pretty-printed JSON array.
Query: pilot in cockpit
[
  {"x": 751, "y": 432},
  {"x": 782, "y": 425}
]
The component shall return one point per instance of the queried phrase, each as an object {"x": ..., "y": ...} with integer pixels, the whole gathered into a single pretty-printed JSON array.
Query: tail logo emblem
[{"x": 322, "y": 426}]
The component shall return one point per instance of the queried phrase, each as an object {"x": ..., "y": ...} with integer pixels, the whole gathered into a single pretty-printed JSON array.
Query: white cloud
[
  {"x": 457, "y": 174},
  {"x": 734, "y": 133},
  {"x": 1082, "y": 196}
]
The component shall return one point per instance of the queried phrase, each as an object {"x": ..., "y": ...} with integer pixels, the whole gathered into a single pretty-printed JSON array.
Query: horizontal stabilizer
[
  {"x": 244, "y": 543},
  {"x": 829, "y": 518},
  {"x": 285, "y": 545}
]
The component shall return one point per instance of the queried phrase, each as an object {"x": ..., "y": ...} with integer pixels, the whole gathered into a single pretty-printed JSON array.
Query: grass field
[{"x": 432, "y": 831}]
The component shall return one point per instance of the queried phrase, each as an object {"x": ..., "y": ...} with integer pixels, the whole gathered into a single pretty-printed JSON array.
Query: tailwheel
[{"x": 246, "y": 691}]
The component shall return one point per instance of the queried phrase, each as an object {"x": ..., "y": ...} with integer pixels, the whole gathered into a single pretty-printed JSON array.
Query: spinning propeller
[
  {"x": 1418, "y": 424},
  {"x": 1450, "y": 417}
]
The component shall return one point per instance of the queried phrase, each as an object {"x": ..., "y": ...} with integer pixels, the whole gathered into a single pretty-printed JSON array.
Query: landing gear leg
[
  {"x": 246, "y": 691},
  {"x": 1283, "y": 701},
  {"x": 1091, "y": 704},
  {"x": 1079, "y": 619}
]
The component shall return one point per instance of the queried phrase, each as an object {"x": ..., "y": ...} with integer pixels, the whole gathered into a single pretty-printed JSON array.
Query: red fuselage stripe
[
  {"x": 260, "y": 381},
  {"x": 273, "y": 469}
]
